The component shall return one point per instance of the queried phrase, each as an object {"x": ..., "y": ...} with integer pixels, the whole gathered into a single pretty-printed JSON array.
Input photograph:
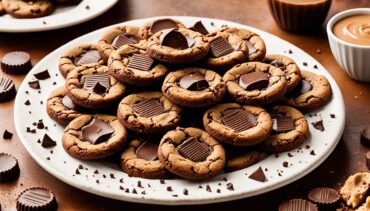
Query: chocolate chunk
[
  {"x": 147, "y": 151},
  {"x": 7, "y": 135},
  {"x": 194, "y": 82},
  {"x": 258, "y": 175},
  {"x": 230, "y": 186},
  {"x": 318, "y": 125},
  {"x": 254, "y": 80},
  {"x": 199, "y": 27},
  {"x": 185, "y": 192},
  {"x": 251, "y": 49},
  {"x": 162, "y": 24},
  {"x": 122, "y": 39},
  {"x": 365, "y": 136},
  {"x": 97, "y": 131},
  {"x": 324, "y": 196},
  {"x": 91, "y": 56},
  {"x": 220, "y": 47},
  {"x": 48, "y": 142},
  {"x": 34, "y": 84},
  {"x": 174, "y": 39},
  {"x": 7, "y": 89},
  {"x": 67, "y": 102},
  {"x": 36, "y": 199},
  {"x": 42, "y": 75},
  {"x": 16, "y": 63},
  {"x": 302, "y": 88},
  {"x": 98, "y": 83},
  {"x": 27, "y": 103},
  {"x": 194, "y": 150},
  {"x": 282, "y": 124},
  {"x": 9, "y": 168},
  {"x": 149, "y": 108},
  {"x": 140, "y": 62},
  {"x": 285, "y": 164},
  {"x": 239, "y": 119},
  {"x": 297, "y": 205}
]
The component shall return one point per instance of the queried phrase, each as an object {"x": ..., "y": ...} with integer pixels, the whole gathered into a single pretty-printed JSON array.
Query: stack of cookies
[{"x": 182, "y": 101}]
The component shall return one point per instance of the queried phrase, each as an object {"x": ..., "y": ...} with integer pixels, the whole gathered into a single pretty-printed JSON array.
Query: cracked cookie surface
[
  {"x": 176, "y": 163},
  {"x": 28, "y": 9},
  {"x": 215, "y": 91},
  {"x": 165, "y": 116},
  {"x": 74, "y": 144},
  {"x": 284, "y": 141},
  {"x": 146, "y": 31},
  {"x": 214, "y": 124},
  {"x": 90, "y": 99}
]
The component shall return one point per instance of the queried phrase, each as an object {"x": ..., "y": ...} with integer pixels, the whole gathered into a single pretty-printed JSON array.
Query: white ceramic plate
[
  {"x": 63, "y": 166},
  {"x": 62, "y": 17}
]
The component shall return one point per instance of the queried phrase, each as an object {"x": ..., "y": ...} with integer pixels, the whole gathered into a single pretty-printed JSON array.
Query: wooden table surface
[{"x": 347, "y": 158}]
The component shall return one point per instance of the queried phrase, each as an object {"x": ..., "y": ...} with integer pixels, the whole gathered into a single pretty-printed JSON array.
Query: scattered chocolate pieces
[
  {"x": 9, "y": 168},
  {"x": 185, "y": 192},
  {"x": 220, "y": 47},
  {"x": 297, "y": 205},
  {"x": 7, "y": 135},
  {"x": 147, "y": 151},
  {"x": 239, "y": 119},
  {"x": 194, "y": 150},
  {"x": 199, "y": 27},
  {"x": 7, "y": 89},
  {"x": 97, "y": 131},
  {"x": 285, "y": 164},
  {"x": 42, "y": 75},
  {"x": 174, "y": 39},
  {"x": 90, "y": 57},
  {"x": 162, "y": 24},
  {"x": 332, "y": 116},
  {"x": 47, "y": 141},
  {"x": 34, "y": 84},
  {"x": 324, "y": 196},
  {"x": 258, "y": 175},
  {"x": 140, "y": 62},
  {"x": 194, "y": 82},
  {"x": 27, "y": 103},
  {"x": 230, "y": 186},
  {"x": 122, "y": 39},
  {"x": 254, "y": 80},
  {"x": 282, "y": 124},
  {"x": 365, "y": 136},
  {"x": 98, "y": 83},
  {"x": 318, "y": 125},
  {"x": 36, "y": 199},
  {"x": 149, "y": 108},
  {"x": 16, "y": 63}
]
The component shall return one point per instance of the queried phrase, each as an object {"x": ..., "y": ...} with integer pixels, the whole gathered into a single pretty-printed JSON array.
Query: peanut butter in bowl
[{"x": 354, "y": 29}]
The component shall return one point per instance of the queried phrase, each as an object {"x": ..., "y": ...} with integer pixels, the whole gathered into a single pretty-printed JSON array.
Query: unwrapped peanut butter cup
[
  {"x": 36, "y": 199},
  {"x": 9, "y": 169}
]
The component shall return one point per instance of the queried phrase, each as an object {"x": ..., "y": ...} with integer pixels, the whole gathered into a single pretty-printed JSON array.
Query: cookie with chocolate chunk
[
  {"x": 152, "y": 27},
  {"x": 28, "y": 9},
  {"x": 140, "y": 159},
  {"x": 238, "y": 125},
  {"x": 191, "y": 153},
  {"x": 91, "y": 137},
  {"x": 148, "y": 112},
  {"x": 194, "y": 87}
]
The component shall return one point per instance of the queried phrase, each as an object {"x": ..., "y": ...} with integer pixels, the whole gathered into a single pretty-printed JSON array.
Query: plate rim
[{"x": 190, "y": 201}]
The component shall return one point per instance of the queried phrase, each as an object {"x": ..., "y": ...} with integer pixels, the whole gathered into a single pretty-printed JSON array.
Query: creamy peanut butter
[{"x": 354, "y": 29}]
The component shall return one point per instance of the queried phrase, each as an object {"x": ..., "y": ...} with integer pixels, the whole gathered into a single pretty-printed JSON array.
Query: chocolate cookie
[
  {"x": 191, "y": 153},
  {"x": 237, "y": 125},
  {"x": 255, "y": 83},
  {"x": 288, "y": 66},
  {"x": 256, "y": 45},
  {"x": 28, "y": 9},
  {"x": 356, "y": 189},
  {"x": 240, "y": 157},
  {"x": 152, "y": 27},
  {"x": 117, "y": 37},
  {"x": 312, "y": 92},
  {"x": 81, "y": 55},
  {"x": 289, "y": 130},
  {"x": 194, "y": 87},
  {"x": 140, "y": 159},
  {"x": 178, "y": 46},
  {"x": 92, "y": 87},
  {"x": 61, "y": 108},
  {"x": 148, "y": 112},
  {"x": 132, "y": 65},
  {"x": 93, "y": 137},
  {"x": 226, "y": 50}
]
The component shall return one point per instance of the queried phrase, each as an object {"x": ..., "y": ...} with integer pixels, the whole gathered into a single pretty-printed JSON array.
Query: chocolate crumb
[
  {"x": 134, "y": 191},
  {"x": 208, "y": 188},
  {"x": 230, "y": 186},
  {"x": 185, "y": 192},
  {"x": 175, "y": 195},
  {"x": 48, "y": 158},
  {"x": 80, "y": 166},
  {"x": 44, "y": 22},
  {"x": 77, "y": 171},
  {"x": 307, "y": 146},
  {"x": 212, "y": 23},
  {"x": 96, "y": 172},
  {"x": 285, "y": 164},
  {"x": 304, "y": 63},
  {"x": 104, "y": 176},
  {"x": 169, "y": 188},
  {"x": 7, "y": 135},
  {"x": 121, "y": 180},
  {"x": 290, "y": 51},
  {"x": 48, "y": 142},
  {"x": 218, "y": 191},
  {"x": 290, "y": 154},
  {"x": 87, "y": 7},
  {"x": 162, "y": 181},
  {"x": 332, "y": 116},
  {"x": 121, "y": 188},
  {"x": 139, "y": 184},
  {"x": 315, "y": 66},
  {"x": 312, "y": 152},
  {"x": 27, "y": 103},
  {"x": 143, "y": 192},
  {"x": 319, "y": 125},
  {"x": 224, "y": 179},
  {"x": 40, "y": 125},
  {"x": 112, "y": 176}
]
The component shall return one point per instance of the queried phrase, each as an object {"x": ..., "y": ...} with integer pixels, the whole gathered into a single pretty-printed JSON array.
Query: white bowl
[{"x": 353, "y": 58}]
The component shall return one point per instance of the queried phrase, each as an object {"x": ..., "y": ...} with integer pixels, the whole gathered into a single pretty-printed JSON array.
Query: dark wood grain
[{"x": 347, "y": 158}]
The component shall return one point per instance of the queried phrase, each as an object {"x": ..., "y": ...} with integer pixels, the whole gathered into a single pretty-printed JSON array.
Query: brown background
[{"x": 347, "y": 158}]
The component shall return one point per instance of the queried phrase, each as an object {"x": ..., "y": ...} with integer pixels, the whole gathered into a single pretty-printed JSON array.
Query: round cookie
[
  {"x": 240, "y": 157},
  {"x": 117, "y": 37},
  {"x": 152, "y": 27},
  {"x": 91, "y": 87},
  {"x": 81, "y": 140},
  {"x": 313, "y": 92},
  {"x": 238, "y": 125},
  {"x": 191, "y": 153},
  {"x": 256, "y": 45},
  {"x": 132, "y": 65},
  {"x": 194, "y": 87},
  {"x": 178, "y": 46},
  {"x": 140, "y": 159},
  {"x": 226, "y": 50},
  {"x": 255, "y": 83},
  {"x": 28, "y": 9},
  {"x": 80, "y": 55},
  {"x": 60, "y": 107},
  {"x": 288, "y": 66},
  {"x": 148, "y": 112},
  {"x": 290, "y": 130}
]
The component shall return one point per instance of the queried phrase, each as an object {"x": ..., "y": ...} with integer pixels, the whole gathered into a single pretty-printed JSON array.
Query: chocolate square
[
  {"x": 254, "y": 80},
  {"x": 140, "y": 62},
  {"x": 220, "y": 47},
  {"x": 149, "y": 108},
  {"x": 194, "y": 150},
  {"x": 121, "y": 40},
  {"x": 147, "y": 151},
  {"x": 97, "y": 131},
  {"x": 91, "y": 56},
  {"x": 239, "y": 119},
  {"x": 98, "y": 83}
]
